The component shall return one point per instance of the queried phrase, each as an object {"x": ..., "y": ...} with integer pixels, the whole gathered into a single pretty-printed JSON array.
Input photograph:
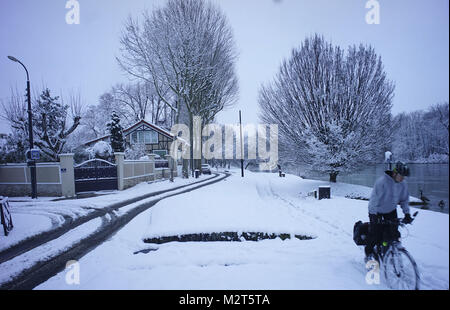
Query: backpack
[{"x": 360, "y": 233}]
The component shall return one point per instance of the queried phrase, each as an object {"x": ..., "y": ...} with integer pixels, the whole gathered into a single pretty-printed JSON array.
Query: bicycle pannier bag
[{"x": 360, "y": 233}]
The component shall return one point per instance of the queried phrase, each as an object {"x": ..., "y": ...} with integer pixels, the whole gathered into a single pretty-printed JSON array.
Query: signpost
[{"x": 33, "y": 154}]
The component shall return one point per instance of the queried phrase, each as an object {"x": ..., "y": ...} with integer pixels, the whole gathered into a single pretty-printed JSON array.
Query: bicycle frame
[
  {"x": 394, "y": 225},
  {"x": 395, "y": 248}
]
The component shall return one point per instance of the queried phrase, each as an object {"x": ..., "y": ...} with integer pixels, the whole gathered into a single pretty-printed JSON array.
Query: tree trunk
[
  {"x": 191, "y": 142},
  {"x": 185, "y": 172},
  {"x": 333, "y": 176}
]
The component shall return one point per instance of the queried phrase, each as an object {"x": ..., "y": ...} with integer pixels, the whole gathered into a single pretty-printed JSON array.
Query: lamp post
[
  {"x": 242, "y": 144},
  {"x": 30, "y": 162}
]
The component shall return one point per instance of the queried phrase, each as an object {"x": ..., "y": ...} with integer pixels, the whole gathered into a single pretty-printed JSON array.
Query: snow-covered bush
[{"x": 100, "y": 150}]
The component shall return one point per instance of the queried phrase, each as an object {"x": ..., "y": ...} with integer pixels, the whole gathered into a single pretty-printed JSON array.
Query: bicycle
[
  {"x": 5, "y": 215},
  {"x": 400, "y": 268}
]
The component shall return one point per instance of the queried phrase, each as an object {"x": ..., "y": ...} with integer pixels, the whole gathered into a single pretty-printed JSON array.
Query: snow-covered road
[
  {"x": 43, "y": 258},
  {"x": 32, "y": 218},
  {"x": 257, "y": 203}
]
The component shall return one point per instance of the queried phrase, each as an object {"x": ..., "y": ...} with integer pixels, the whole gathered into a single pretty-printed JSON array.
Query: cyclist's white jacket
[{"x": 387, "y": 194}]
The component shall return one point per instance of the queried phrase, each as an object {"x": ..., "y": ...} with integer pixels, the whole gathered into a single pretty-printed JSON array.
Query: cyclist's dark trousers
[{"x": 376, "y": 231}]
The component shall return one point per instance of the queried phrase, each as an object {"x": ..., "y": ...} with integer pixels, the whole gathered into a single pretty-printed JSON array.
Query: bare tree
[
  {"x": 97, "y": 116},
  {"x": 442, "y": 111},
  {"x": 186, "y": 46},
  {"x": 14, "y": 110},
  {"x": 135, "y": 97},
  {"x": 422, "y": 136},
  {"x": 142, "y": 102},
  {"x": 333, "y": 108}
]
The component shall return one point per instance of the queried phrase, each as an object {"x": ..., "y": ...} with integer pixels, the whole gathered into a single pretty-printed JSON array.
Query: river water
[{"x": 431, "y": 179}]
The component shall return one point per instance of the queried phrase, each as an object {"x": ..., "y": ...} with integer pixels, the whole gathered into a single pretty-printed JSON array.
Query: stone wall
[
  {"x": 15, "y": 180},
  {"x": 57, "y": 179}
]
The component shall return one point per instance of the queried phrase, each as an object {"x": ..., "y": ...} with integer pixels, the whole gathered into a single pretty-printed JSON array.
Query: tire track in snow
[
  {"x": 428, "y": 281},
  {"x": 309, "y": 214},
  {"x": 332, "y": 229},
  {"x": 111, "y": 224},
  {"x": 75, "y": 218}
]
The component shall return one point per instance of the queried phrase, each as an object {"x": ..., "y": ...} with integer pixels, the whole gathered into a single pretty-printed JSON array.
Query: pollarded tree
[
  {"x": 116, "y": 133},
  {"x": 333, "y": 109}
]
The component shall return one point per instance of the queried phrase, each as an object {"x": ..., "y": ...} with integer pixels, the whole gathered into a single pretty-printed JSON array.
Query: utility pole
[{"x": 242, "y": 145}]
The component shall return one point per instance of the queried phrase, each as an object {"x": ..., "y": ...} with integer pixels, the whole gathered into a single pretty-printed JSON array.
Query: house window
[
  {"x": 134, "y": 138},
  {"x": 161, "y": 153},
  {"x": 144, "y": 137}
]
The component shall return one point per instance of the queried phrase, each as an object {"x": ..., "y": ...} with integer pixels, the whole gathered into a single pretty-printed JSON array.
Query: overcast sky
[{"x": 412, "y": 39}]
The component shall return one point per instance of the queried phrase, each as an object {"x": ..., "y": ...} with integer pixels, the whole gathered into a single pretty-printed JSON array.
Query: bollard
[{"x": 324, "y": 192}]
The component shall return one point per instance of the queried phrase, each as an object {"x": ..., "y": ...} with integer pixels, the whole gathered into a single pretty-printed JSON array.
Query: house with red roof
[{"x": 156, "y": 139}]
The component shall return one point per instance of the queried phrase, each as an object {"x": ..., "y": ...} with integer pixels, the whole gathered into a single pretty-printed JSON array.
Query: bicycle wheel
[{"x": 400, "y": 270}]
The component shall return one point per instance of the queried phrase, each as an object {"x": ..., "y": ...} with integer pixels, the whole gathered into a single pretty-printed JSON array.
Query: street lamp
[
  {"x": 30, "y": 161},
  {"x": 242, "y": 145}
]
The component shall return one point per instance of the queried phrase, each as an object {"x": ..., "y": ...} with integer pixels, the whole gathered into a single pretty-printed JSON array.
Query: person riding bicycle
[{"x": 389, "y": 191}]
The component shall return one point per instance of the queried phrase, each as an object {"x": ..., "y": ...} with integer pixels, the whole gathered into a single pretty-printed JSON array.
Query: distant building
[{"x": 156, "y": 140}]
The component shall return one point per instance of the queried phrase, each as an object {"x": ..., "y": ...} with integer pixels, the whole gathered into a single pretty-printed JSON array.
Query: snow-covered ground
[
  {"x": 32, "y": 217},
  {"x": 12, "y": 268},
  {"x": 258, "y": 203}
]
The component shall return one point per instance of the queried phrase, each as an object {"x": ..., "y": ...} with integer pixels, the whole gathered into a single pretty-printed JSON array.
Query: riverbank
[{"x": 429, "y": 181}]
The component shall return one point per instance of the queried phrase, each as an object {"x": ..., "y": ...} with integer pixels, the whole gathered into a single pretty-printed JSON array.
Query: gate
[
  {"x": 95, "y": 175},
  {"x": 161, "y": 164}
]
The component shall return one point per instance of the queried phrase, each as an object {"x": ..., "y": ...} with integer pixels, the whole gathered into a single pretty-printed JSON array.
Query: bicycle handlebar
[{"x": 399, "y": 221}]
